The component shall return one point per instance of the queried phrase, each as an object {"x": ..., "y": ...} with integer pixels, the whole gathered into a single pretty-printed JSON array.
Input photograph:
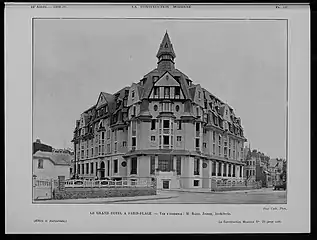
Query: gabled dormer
[
  {"x": 101, "y": 101},
  {"x": 134, "y": 94},
  {"x": 166, "y": 87},
  {"x": 197, "y": 95}
]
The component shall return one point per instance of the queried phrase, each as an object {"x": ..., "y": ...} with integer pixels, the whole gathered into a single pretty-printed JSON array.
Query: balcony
[
  {"x": 166, "y": 131},
  {"x": 166, "y": 146}
]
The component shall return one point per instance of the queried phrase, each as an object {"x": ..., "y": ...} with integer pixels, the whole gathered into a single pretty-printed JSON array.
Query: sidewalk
[
  {"x": 160, "y": 195},
  {"x": 218, "y": 192}
]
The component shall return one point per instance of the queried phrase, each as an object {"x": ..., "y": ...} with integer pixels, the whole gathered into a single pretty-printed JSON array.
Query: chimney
[{"x": 38, "y": 140}]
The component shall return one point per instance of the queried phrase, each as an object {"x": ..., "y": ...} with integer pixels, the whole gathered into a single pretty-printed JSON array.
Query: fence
[
  {"x": 43, "y": 188},
  {"x": 128, "y": 183}
]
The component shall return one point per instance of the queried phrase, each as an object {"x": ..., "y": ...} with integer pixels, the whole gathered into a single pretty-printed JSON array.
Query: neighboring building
[
  {"x": 38, "y": 146},
  {"x": 164, "y": 126},
  {"x": 48, "y": 165},
  {"x": 250, "y": 167},
  {"x": 276, "y": 169}
]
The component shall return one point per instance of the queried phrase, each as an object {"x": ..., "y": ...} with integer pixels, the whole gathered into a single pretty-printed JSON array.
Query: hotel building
[{"x": 164, "y": 126}]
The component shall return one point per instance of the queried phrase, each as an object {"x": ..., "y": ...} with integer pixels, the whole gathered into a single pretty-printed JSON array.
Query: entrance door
[{"x": 166, "y": 184}]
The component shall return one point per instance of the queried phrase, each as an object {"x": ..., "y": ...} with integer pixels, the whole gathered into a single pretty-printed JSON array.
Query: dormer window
[
  {"x": 156, "y": 91},
  {"x": 132, "y": 94},
  {"x": 199, "y": 95},
  {"x": 177, "y": 91},
  {"x": 167, "y": 92},
  {"x": 134, "y": 110}
]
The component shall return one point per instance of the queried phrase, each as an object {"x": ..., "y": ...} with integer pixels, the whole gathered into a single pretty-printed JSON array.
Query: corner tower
[{"x": 166, "y": 55}]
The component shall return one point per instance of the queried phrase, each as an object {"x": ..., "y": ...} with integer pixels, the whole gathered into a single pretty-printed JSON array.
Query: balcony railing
[
  {"x": 166, "y": 146},
  {"x": 166, "y": 131}
]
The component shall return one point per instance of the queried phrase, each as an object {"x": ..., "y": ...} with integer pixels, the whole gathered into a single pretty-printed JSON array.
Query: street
[{"x": 260, "y": 196}]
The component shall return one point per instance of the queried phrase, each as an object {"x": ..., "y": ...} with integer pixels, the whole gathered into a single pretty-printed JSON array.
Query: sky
[{"x": 243, "y": 63}]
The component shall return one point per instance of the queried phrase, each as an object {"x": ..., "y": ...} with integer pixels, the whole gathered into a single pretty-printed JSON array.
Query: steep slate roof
[
  {"x": 110, "y": 99},
  {"x": 122, "y": 92},
  {"x": 146, "y": 89},
  {"x": 56, "y": 158},
  {"x": 192, "y": 91},
  {"x": 166, "y": 47}
]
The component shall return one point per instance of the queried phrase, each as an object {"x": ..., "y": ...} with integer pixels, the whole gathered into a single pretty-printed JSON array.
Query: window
[
  {"x": 196, "y": 166},
  {"x": 166, "y": 123},
  {"x": 166, "y": 107},
  {"x": 133, "y": 141},
  {"x": 91, "y": 167},
  {"x": 199, "y": 94},
  {"x": 214, "y": 136},
  {"x": 225, "y": 170},
  {"x": 134, "y": 110},
  {"x": 87, "y": 153},
  {"x": 92, "y": 152},
  {"x": 78, "y": 168},
  {"x": 197, "y": 142},
  {"x": 153, "y": 123},
  {"x": 197, "y": 111},
  {"x": 197, "y": 127},
  {"x": 124, "y": 143},
  {"x": 167, "y": 92},
  {"x": 213, "y": 172},
  {"x": 219, "y": 169},
  {"x": 40, "y": 164},
  {"x": 196, "y": 183},
  {"x": 205, "y": 145},
  {"x": 115, "y": 135},
  {"x": 179, "y": 124},
  {"x": 155, "y": 108},
  {"x": 152, "y": 164},
  {"x": 134, "y": 165},
  {"x": 179, "y": 138},
  {"x": 96, "y": 167},
  {"x": 115, "y": 166},
  {"x": 108, "y": 147},
  {"x": 115, "y": 147},
  {"x": 165, "y": 140},
  {"x": 108, "y": 134},
  {"x": 156, "y": 91},
  {"x": 177, "y": 91},
  {"x": 152, "y": 138},
  {"x": 177, "y": 108},
  {"x": 108, "y": 168},
  {"x": 87, "y": 168},
  {"x": 179, "y": 165},
  {"x": 213, "y": 148},
  {"x": 133, "y": 128},
  {"x": 132, "y": 94},
  {"x": 165, "y": 165}
]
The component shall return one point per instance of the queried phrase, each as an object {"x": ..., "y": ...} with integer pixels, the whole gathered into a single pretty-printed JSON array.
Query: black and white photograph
[
  {"x": 157, "y": 118},
  {"x": 159, "y": 111}
]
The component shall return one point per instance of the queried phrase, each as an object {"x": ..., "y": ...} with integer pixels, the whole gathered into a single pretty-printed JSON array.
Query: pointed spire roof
[{"x": 166, "y": 47}]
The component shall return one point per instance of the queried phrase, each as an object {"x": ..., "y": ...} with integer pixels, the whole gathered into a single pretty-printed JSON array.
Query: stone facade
[{"x": 164, "y": 126}]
